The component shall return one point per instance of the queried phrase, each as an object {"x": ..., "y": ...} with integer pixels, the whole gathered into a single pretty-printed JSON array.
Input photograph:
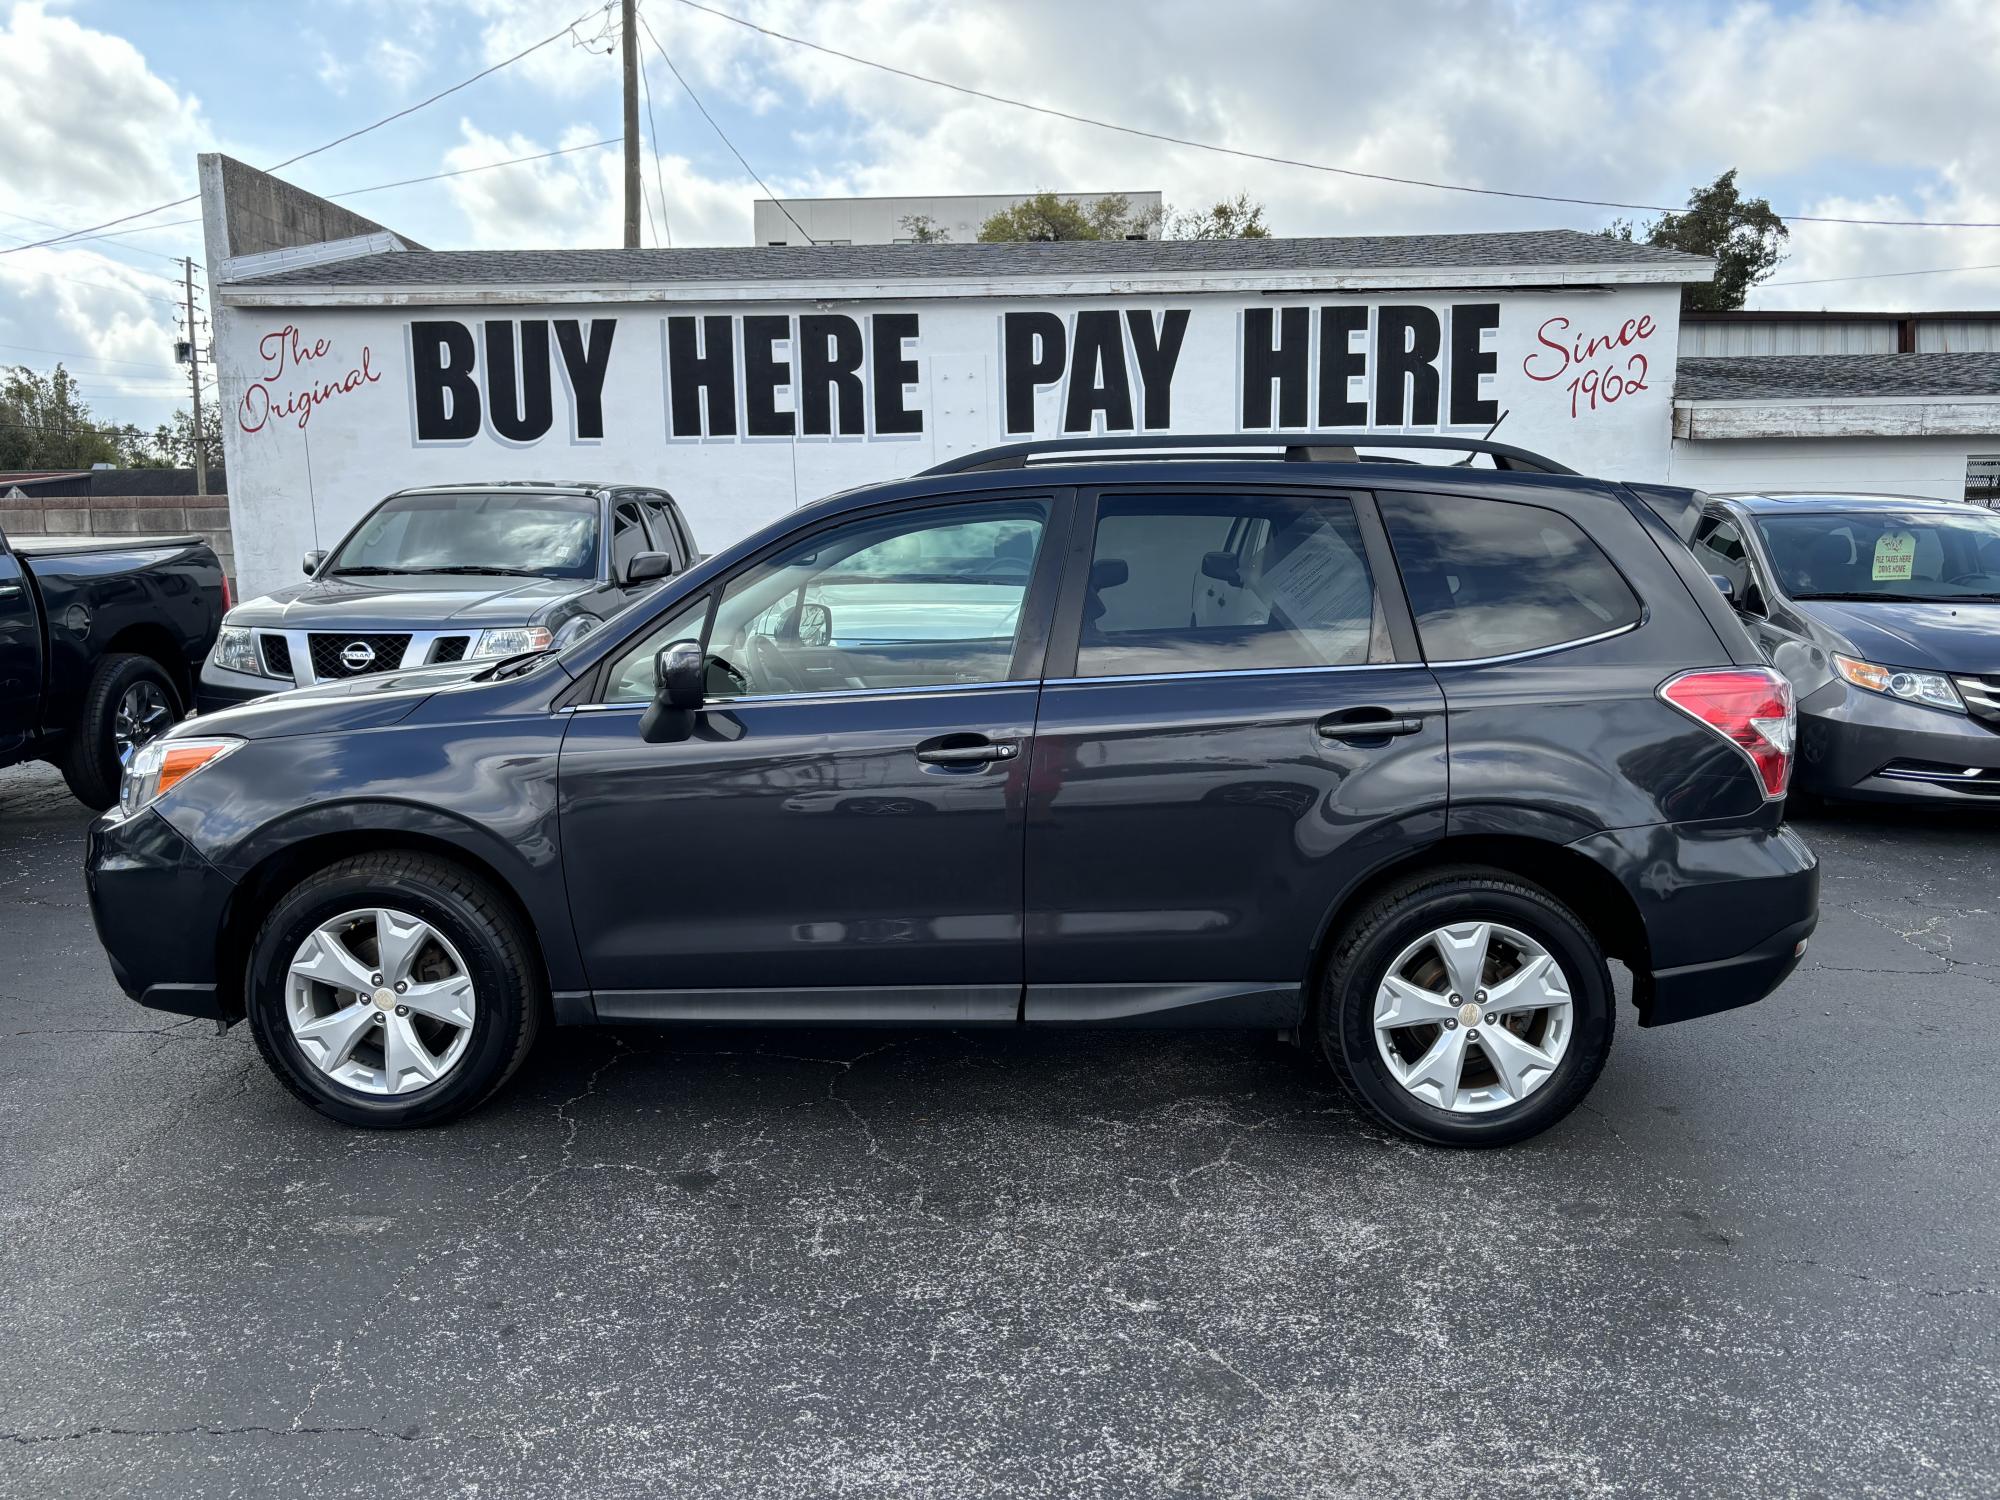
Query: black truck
[{"x": 101, "y": 643}]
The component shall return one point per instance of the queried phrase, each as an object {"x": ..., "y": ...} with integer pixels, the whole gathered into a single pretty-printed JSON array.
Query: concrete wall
[
  {"x": 30, "y": 514},
  {"x": 256, "y": 213},
  {"x": 1934, "y": 467}
]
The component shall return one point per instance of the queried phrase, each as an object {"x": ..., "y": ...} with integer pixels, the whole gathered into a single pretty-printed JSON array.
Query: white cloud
[
  {"x": 397, "y": 65},
  {"x": 111, "y": 324}
]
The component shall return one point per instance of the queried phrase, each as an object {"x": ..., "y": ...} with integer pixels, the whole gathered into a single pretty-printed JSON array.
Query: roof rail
[{"x": 1288, "y": 447}]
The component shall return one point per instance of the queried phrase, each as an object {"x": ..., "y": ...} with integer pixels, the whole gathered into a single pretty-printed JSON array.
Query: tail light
[
  {"x": 1751, "y": 707},
  {"x": 228, "y": 595}
]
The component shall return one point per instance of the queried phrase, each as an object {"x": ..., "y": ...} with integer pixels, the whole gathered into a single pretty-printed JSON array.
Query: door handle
[
  {"x": 9, "y": 590},
  {"x": 1351, "y": 728},
  {"x": 965, "y": 750}
]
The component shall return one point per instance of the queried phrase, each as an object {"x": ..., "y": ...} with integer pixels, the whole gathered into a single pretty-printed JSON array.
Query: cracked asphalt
[{"x": 1761, "y": 1261}]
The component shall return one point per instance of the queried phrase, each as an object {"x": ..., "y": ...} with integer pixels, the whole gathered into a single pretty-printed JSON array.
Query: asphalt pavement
[{"x": 1764, "y": 1259}]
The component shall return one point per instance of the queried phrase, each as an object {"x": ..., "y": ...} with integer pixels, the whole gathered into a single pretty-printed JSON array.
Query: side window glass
[
  {"x": 917, "y": 599},
  {"x": 1216, "y": 583},
  {"x": 1721, "y": 551},
  {"x": 628, "y": 537},
  {"x": 632, "y": 674},
  {"x": 1492, "y": 577},
  {"x": 666, "y": 535}
]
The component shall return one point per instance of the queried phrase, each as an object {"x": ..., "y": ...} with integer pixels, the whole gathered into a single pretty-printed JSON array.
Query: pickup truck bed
[{"x": 101, "y": 643}]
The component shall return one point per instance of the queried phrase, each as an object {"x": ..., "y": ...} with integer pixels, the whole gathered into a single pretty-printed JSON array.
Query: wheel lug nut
[
  {"x": 1453, "y": 999},
  {"x": 1472, "y": 1036},
  {"x": 402, "y": 1010},
  {"x": 375, "y": 979},
  {"x": 1480, "y": 997},
  {"x": 1489, "y": 1020},
  {"x": 1451, "y": 1025},
  {"x": 401, "y": 986}
]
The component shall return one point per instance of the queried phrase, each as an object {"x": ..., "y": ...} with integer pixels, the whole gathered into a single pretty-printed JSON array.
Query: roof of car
[
  {"x": 1824, "y": 500},
  {"x": 536, "y": 486}
]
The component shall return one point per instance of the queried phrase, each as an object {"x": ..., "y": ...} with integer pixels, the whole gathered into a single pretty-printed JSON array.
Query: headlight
[
  {"x": 1931, "y": 688},
  {"x": 511, "y": 640},
  {"x": 236, "y": 651},
  {"x": 158, "y": 766}
]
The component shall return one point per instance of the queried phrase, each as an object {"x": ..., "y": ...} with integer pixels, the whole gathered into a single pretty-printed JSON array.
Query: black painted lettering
[
  {"x": 519, "y": 401},
  {"x": 1339, "y": 363},
  {"x": 442, "y": 357},
  {"x": 1034, "y": 349},
  {"x": 1275, "y": 355},
  {"x": 586, "y": 358},
  {"x": 695, "y": 369},
  {"x": 893, "y": 373},
  {"x": 830, "y": 353},
  {"x": 1468, "y": 362},
  {"x": 1098, "y": 379},
  {"x": 1156, "y": 350},
  {"x": 764, "y": 375},
  {"x": 1407, "y": 340}
]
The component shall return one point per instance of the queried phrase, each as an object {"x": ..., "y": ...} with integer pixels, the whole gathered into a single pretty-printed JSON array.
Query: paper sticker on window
[{"x": 1895, "y": 554}]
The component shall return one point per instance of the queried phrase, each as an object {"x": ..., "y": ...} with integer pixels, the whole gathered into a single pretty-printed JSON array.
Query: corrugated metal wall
[
  {"x": 1711, "y": 340},
  {"x": 1960, "y": 337}
]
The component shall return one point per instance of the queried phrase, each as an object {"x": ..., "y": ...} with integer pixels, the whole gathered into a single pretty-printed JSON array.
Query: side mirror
[
  {"x": 309, "y": 564},
  {"x": 1724, "y": 587},
  {"x": 1223, "y": 567},
  {"x": 678, "y": 670},
  {"x": 647, "y": 566},
  {"x": 815, "y": 625}
]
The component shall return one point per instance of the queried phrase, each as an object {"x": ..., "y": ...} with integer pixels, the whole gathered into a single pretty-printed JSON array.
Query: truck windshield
[
  {"x": 1918, "y": 555},
  {"x": 549, "y": 536}
]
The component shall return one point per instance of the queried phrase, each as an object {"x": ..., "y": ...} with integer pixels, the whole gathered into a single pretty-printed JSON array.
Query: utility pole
[
  {"x": 630, "y": 9},
  {"x": 194, "y": 378}
]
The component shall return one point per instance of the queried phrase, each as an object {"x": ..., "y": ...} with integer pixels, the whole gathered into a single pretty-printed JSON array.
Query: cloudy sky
[{"x": 1877, "y": 110}]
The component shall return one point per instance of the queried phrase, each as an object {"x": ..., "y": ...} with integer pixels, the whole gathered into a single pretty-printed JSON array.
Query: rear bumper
[
  {"x": 1726, "y": 910},
  {"x": 157, "y": 906},
  {"x": 1866, "y": 747}
]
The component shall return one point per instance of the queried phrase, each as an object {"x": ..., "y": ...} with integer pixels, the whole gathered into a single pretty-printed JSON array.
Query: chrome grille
[
  {"x": 1982, "y": 698},
  {"x": 340, "y": 655}
]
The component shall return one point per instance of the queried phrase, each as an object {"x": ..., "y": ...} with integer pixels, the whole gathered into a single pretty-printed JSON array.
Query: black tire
[
  {"x": 1345, "y": 1012},
  {"x": 478, "y": 922},
  {"x": 90, "y": 762}
]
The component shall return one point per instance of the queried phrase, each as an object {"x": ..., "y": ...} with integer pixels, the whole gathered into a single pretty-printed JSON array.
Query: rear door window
[
  {"x": 1220, "y": 582},
  {"x": 1495, "y": 578}
]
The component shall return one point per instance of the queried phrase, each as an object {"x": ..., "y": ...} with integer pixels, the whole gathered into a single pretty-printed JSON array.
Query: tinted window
[
  {"x": 1718, "y": 546},
  {"x": 666, "y": 530},
  {"x": 555, "y": 535},
  {"x": 917, "y": 599},
  {"x": 1207, "y": 583},
  {"x": 1882, "y": 555},
  {"x": 1490, "y": 578},
  {"x": 628, "y": 537}
]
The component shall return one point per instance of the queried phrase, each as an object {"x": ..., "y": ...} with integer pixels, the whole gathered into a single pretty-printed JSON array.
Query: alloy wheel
[
  {"x": 1473, "y": 1017},
  {"x": 143, "y": 713},
  {"x": 380, "y": 1001}
]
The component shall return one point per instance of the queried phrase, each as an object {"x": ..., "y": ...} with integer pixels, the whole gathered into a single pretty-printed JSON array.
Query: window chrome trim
[
  {"x": 753, "y": 699},
  {"x": 1358, "y": 666},
  {"x": 1585, "y": 640}
]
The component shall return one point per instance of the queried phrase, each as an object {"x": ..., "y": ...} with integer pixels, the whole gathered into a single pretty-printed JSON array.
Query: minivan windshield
[
  {"x": 536, "y": 536},
  {"x": 1916, "y": 556}
]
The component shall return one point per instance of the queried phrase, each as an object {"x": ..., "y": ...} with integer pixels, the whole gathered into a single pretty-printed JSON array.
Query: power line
[
  {"x": 101, "y": 359},
  {"x": 647, "y": 27},
  {"x": 1880, "y": 275},
  {"x": 316, "y": 150},
  {"x": 653, "y": 140},
  {"x": 1280, "y": 161}
]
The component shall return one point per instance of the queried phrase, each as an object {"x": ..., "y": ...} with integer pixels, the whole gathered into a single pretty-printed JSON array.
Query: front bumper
[
  {"x": 157, "y": 906},
  {"x": 1871, "y": 748},
  {"x": 221, "y": 688},
  {"x": 1726, "y": 910}
]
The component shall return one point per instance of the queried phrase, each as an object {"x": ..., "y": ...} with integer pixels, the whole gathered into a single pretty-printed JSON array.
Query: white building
[
  {"x": 888, "y": 221},
  {"x": 749, "y": 380}
]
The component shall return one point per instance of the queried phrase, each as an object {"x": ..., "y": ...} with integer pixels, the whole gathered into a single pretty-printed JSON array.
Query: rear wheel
[
  {"x": 130, "y": 700},
  {"x": 1467, "y": 1008},
  {"x": 393, "y": 990}
]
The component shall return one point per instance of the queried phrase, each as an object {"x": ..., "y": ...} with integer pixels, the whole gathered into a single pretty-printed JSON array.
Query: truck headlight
[
  {"x": 236, "y": 651},
  {"x": 1933, "y": 689},
  {"x": 160, "y": 765},
  {"x": 510, "y": 640}
]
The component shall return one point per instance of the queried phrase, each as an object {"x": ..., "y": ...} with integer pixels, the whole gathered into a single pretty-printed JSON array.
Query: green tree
[
  {"x": 1744, "y": 235},
  {"x": 1047, "y": 216},
  {"x": 1235, "y": 218},
  {"x": 923, "y": 229},
  {"x": 45, "y": 424},
  {"x": 172, "y": 443}
]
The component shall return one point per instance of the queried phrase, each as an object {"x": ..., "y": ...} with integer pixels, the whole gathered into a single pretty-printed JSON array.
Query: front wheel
[
  {"x": 130, "y": 700},
  {"x": 1467, "y": 1008},
  {"x": 393, "y": 990}
]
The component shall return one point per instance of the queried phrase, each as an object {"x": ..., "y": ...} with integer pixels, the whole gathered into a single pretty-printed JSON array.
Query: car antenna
[{"x": 1484, "y": 437}]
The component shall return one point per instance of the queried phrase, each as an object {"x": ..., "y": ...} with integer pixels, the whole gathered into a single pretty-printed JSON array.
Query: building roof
[
  {"x": 1837, "y": 377},
  {"x": 1553, "y": 250}
]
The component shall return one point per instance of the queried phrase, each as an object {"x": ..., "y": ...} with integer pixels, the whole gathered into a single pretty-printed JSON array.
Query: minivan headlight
[
  {"x": 236, "y": 651},
  {"x": 511, "y": 640},
  {"x": 160, "y": 765},
  {"x": 1933, "y": 689}
]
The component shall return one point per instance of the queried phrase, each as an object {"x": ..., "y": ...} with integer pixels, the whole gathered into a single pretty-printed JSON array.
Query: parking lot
[{"x": 1760, "y": 1260}]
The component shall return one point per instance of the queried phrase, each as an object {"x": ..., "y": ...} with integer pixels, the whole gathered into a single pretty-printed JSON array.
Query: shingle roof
[
  {"x": 1804, "y": 377},
  {"x": 1549, "y": 248}
]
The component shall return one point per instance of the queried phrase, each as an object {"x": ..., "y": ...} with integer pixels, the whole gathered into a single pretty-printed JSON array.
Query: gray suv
[{"x": 452, "y": 573}]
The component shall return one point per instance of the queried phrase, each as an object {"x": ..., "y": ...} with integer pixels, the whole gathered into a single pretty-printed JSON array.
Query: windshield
[
  {"x": 548, "y": 536},
  {"x": 1916, "y": 555}
]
